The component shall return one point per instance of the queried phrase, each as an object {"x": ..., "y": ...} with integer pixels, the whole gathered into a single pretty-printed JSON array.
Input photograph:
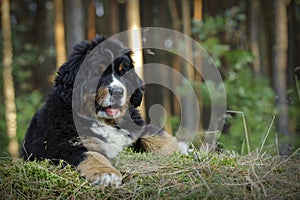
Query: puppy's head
[{"x": 118, "y": 88}]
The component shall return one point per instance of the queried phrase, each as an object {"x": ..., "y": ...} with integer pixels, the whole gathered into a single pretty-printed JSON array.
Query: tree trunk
[
  {"x": 42, "y": 23},
  {"x": 188, "y": 110},
  {"x": 292, "y": 50},
  {"x": 135, "y": 40},
  {"x": 198, "y": 10},
  {"x": 75, "y": 23},
  {"x": 176, "y": 23},
  {"x": 280, "y": 64},
  {"x": 91, "y": 21},
  {"x": 254, "y": 36},
  {"x": 198, "y": 16},
  {"x": 266, "y": 32},
  {"x": 114, "y": 17},
  {"x": 59, "y": 33},
  {"x": 9, "y": 91},
  {"x": 174, "y": 15},
  {"x": 187, "y": 30}
]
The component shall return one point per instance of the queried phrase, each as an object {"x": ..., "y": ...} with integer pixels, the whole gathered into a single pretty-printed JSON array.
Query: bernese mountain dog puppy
[{"x": 107, "y": 119}]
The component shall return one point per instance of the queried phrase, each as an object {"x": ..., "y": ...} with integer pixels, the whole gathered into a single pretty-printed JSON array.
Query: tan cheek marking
[
  {"x": 95, "y": 165},
  {"x": 101, "y": 94},
  {"x": 87, "y": 106}
]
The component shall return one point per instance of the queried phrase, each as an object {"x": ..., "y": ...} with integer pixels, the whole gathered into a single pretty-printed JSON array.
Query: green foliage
[
  {"x": 174, "y": 121},
  {"x": 294, "y": 113},
  {"x": 23, "y": 62},
  {"x": 3, "y": 136},
  {"x": 253, "y": 97},
  {"x": 26, "y": 107},
  {"x": 245, "y": 93},
  {"x": 216, "y": 49},
  {"x": 210, "y": 26},
  {"x": 238, "y": 59}
]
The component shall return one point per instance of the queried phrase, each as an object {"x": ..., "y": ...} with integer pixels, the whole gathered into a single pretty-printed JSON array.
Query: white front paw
[
  {"x": 108, "y": 179},
  {"x": 183, "y": 147}
]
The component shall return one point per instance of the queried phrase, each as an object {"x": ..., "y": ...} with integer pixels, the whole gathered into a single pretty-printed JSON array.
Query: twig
[
  {"x": 276, "y": 144},
  {"x": 245, "y": 127},
  {"x": 267, "y": 134}
]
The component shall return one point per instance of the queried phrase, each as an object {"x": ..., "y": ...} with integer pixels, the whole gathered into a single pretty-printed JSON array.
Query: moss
[{"x": 197, "y": 176}]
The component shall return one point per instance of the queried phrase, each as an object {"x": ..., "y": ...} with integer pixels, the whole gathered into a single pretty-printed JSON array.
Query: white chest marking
[{"x": 114, "y": 140}]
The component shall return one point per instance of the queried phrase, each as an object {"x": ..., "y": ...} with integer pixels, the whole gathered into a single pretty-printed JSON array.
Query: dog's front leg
[
  {"x": 157, "y": 140},
  {"x": 97, "y": 169}
]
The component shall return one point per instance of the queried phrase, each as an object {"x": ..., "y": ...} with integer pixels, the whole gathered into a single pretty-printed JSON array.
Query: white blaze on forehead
[{"x": 118, "y": 84}]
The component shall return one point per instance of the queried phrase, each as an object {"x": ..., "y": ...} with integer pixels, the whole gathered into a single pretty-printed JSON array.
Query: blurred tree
[
  {"x": 254, "y": 35},
  {"x": 59, "y": 33},
  {"x": 188, "y": 70},
  {"x": 280, "y": 64},
  {"x": 74, "y": 23},
  {"x": 198, "y": 10},
  {"x": 39, "y": 42},
  {"x": 292, "y": 41},
  {"x": 9, "y": 91},
  {"x": 187, "y": 26},
  {"x": 114, "y": 17},
  {"x": 174, "y": 15},
  {"x": 176, "y": 25},
  {"x": 198, "y": 16},
  {"x": 265, "y": 34},
  {"x": 135, "y": 39},
  {"x": 91, "y": 20}
]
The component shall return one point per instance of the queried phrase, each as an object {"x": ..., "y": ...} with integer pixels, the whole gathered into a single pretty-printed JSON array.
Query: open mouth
[{"x": 111, "y": 111}]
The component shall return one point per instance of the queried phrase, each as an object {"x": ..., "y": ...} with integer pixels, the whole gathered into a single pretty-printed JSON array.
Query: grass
[{"x": 216, "y": 175}]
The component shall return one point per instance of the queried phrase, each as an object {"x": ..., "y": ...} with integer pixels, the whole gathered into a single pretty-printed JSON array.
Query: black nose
[{"x": 116, "y": 92}]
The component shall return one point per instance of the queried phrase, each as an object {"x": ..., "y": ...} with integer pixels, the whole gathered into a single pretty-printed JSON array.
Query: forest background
[{"x": 254, "y": 43}]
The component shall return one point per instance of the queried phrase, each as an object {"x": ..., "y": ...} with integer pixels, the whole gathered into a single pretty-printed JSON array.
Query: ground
[{"x": 223, "y": 175}]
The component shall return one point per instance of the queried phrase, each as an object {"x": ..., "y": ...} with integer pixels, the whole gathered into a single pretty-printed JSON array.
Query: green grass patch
[{"x": 150, "y": 176}]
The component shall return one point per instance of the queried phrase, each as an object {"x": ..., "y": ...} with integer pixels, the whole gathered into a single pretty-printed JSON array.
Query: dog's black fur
[{"x": 52, "y": 133}]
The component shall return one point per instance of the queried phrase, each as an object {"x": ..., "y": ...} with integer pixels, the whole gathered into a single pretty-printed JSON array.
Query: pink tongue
[{"x": 112, "y": 111}]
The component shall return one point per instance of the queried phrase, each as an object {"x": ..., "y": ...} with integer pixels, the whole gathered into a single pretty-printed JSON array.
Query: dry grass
[{"x": 147, "y": 176}]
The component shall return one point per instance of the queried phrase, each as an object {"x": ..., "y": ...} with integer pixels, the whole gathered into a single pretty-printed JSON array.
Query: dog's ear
[{"x": 137, "y": 96}]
